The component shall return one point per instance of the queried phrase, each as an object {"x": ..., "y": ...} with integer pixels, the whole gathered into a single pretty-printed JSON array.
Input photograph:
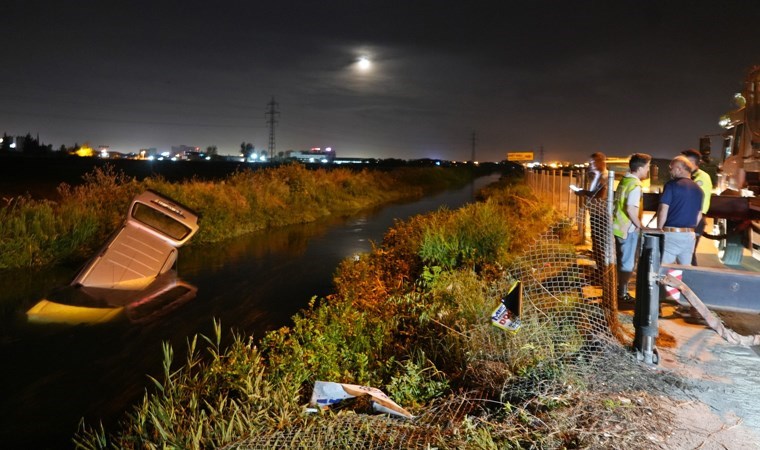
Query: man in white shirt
[{"x": 626, "y": 220}]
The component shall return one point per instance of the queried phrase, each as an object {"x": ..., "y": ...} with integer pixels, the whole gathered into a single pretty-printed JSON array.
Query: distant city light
[{"x": 85, "y": 152}]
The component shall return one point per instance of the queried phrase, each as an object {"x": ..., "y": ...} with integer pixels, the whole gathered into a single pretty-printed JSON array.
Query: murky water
[{"x": 53, "y": 375}]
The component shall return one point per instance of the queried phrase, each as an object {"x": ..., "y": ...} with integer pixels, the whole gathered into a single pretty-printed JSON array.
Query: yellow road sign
[{"x": 520, "y": 156}]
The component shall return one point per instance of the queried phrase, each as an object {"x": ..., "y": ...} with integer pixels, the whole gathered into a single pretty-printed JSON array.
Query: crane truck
[{"x": 735, "y": 208}]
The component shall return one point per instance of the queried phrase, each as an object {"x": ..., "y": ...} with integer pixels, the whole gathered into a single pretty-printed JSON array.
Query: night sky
[{"x": 575, "y": 77}]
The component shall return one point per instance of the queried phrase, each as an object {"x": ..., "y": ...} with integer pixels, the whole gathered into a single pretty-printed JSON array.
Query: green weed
[
  {"x": 41, "y": 232},
  {"x": 411, "y": 317}
]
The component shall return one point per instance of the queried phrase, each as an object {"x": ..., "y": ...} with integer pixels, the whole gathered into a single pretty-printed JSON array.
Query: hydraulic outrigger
[{"x": 705, "y": 289}]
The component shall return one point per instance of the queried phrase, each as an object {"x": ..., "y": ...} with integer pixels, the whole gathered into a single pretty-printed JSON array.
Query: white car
[{"x": 133, "y": 272}]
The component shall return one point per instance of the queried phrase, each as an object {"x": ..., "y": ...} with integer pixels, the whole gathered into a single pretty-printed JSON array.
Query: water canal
[{"x": 53, "y": 375}]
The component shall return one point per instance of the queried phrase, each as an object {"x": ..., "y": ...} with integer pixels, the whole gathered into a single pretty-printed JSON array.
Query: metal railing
[{"x": 553, "y": 185}]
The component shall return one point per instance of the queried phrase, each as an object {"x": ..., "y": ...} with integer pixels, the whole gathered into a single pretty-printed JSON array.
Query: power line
[
  {"x": 70, "y": 117},
  {"x": 271, "y": 116}
]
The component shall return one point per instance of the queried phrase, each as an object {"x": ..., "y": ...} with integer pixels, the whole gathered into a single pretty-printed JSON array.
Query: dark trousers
[{"x": 698, "y": 233}]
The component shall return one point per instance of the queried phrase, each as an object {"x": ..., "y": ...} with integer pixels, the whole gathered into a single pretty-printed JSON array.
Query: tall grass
[
  {"x": 393, "y": 323},
  {"x": 35, "y": 233},
  {"x": 470, "y": 237},
  {"x": 216, "y": 397}
]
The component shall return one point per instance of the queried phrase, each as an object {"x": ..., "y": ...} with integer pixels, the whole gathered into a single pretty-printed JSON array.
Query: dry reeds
[{"x": 422, "y": 334}]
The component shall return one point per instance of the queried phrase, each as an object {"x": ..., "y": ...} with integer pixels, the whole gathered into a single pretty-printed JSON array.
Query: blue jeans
[
  {"x": 626, "y": 251},
  {"x": 679, "y": 247}
]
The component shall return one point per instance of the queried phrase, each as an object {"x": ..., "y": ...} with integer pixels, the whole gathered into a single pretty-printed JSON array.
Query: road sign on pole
[{"x": 520, "y": 156}]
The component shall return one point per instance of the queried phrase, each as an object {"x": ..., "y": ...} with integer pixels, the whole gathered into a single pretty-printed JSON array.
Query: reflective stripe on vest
[{"x": 704, "y": 181}]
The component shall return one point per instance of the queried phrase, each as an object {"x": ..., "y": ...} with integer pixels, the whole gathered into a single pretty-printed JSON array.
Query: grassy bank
[
  {"x": 41, "y": 232},
  {"x": 411, "y": 318}
]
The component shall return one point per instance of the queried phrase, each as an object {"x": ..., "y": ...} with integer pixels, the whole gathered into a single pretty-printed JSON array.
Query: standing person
[
  {"x": 626, "y": 220},
  {"x": 596, "y": 192},
  {"x": 705, "y": 183},
  {"x": 679, "y": 212}
]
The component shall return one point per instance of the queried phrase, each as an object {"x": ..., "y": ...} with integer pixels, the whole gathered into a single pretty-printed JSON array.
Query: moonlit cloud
[{"x": 574, "y": 77}]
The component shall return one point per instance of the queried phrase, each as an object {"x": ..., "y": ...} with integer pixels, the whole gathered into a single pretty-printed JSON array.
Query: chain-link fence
[
  {"x": 569, "y": 336},
  {"x": 590, "y": 216}
]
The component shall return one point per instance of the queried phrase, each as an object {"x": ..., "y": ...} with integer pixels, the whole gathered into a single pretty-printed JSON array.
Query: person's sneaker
[{"x": 627, "y": 298}]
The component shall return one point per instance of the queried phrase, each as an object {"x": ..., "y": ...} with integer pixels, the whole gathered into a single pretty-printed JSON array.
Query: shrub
[
  {"x": 421, "y": 332},
  {"x": 36, "y": 233},
  {"x": 470, "y": 237}
]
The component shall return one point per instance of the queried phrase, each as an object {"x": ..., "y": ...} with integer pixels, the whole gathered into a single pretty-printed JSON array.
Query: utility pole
[
  {"x": 271, "y": 116},
  {"x": 474, "y": 139}
]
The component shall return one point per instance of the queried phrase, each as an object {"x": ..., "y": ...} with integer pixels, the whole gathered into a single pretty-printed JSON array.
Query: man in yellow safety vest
[
  {"x": 703, "y": 180},
  {"x": 626, "y": 220}
]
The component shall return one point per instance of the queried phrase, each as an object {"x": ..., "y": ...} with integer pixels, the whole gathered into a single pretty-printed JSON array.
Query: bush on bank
[
  {"x": 399, "y": 320},
  {"x": 42, "y": 232}
]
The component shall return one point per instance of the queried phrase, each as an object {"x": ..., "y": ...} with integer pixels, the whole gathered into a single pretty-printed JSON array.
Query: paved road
[
  {"x": 722, "y": 410},
  {"x": 707, "y": 256},
  {"x": 725, "y": 376}
]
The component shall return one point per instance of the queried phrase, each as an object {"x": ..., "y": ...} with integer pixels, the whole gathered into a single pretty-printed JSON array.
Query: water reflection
[
  {"x": 253, "y": 284},
  {"x": 77, "y": 304}
]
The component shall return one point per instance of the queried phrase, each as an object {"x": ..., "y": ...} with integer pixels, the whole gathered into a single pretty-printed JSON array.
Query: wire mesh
[
  {"x": 568, "y": 338},
  {"x": 344, "y": 431}
]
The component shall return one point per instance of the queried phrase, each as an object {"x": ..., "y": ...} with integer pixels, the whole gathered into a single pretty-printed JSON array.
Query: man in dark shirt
[{"x": 679, "y": 212}]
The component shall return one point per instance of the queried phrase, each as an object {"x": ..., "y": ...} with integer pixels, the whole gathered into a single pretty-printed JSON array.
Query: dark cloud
[{"x": 618, "y": 76}]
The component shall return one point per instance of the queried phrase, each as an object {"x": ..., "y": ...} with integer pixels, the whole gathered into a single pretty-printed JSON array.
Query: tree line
[{"x": 31, "y": 145}]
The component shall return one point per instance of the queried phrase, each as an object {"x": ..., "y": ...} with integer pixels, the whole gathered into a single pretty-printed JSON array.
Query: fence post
[
  {"x": 609, "y": 272},
  {"x": 554, "y": 187},
  {"x": 647, "y": 307},
  {"x": 581, "y": 208},
  {"x": 610, "y": 251},
  {"x": 544, "y": 184},
  {"x": 568, "y": 191}
]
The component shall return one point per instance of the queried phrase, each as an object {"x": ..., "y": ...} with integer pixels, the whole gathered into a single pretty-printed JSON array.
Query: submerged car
[{"x": 133, "y": 273}]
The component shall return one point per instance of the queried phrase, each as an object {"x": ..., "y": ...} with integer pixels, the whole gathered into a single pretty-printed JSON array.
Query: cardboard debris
[
  {"x": 327, "y": 393},
  {"x": 507, "y": 315}
]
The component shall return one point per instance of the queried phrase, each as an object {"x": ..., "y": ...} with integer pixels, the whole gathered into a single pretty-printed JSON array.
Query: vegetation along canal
[{"x": 53, "y": 375}]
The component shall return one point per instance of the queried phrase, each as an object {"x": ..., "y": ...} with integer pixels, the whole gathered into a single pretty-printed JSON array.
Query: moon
[{"x": 364, "y": 63}]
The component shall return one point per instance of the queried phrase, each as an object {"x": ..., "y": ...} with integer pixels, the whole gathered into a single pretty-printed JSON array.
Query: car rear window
[{"x": 160, "y": 221}]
